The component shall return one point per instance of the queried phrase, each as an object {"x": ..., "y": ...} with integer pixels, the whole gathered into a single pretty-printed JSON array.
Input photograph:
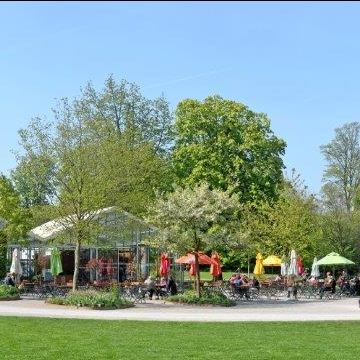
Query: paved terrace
[{"x": 158, "y": 310}]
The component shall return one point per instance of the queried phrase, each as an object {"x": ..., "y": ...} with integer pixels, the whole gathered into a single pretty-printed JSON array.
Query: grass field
[{"x": 39, "y": 338}]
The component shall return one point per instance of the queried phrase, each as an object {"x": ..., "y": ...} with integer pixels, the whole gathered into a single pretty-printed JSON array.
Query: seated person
[
  {"x": 240, "y": 285},
  {"x": 292, "y": 289},
  {"x": 330, "y": 283},
  {"x": 244, "y": 280},
  {"x": 150, "y": 286},
  {"x": 343, "y": 279},
  {"x": 171, "y": 286},
  {"x": 232, "y": 280},
  {"x": 305, "y": 274},
  {"x": 238, "y": 282},
  {"x": 255, "y": 283},
  {"x": 161, "y": 288},
  {"x": 9, "y": 280}
]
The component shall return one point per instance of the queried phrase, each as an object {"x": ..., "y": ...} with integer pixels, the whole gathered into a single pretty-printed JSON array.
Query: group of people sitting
[
  {"x": 238, "y": 281},
  {"x": 161, "y": 287}
]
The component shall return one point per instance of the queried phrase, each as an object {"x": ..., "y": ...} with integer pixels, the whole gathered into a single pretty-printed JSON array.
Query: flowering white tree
[{"x": 192, "y": 220}]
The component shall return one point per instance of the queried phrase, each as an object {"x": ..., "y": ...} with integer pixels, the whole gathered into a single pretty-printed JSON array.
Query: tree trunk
[
  {"x": 197, "y": 283},
  {"x": 77, "y": 260}
]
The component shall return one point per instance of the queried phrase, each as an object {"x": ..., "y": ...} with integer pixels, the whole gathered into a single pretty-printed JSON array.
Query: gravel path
[{"x": 344, "y": 309}]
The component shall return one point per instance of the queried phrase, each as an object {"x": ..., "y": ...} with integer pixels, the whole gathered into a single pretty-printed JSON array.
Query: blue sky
[{"x": 296, "y": 61}]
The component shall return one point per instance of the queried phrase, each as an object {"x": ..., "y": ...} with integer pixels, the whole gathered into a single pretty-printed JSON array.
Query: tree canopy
[
  {"x": 190, "y": 220},
  {"x": 290, "y": 222},
  {"x": 342, "y": 171},
  {"x": 227, "y": 145}
]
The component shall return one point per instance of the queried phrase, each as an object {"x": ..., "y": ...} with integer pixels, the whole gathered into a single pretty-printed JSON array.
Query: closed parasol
[
  {"x": 15, "y": 267},
  {"x": 292, "y": 270},
  {"x": 315, "y": 273},
  {"x": 164, "y": 264},
  {"x": 259, "y": 268},
  {"x": 55, "y": 262},
  {"x": 215, "y": 269},
  {"x": 192, "y": 270},
  {"x": 300, "y": 266}
]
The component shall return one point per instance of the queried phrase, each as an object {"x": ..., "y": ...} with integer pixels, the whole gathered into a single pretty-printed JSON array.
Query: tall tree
[
  {"x": 17, "y": 220},
  {"x": 134, "y": 134},
  {"x": 343, "y": 163},
  {"x": 105, "y": 148},
  {"x": 77, "y": 171},
  {"x": 192, "y": 220},
  {"x": 131, "y": 113},
  {"x": 33, "y": 181},
  {"x": 291, "y": 222},
  {"x": 226, "y": 144}
]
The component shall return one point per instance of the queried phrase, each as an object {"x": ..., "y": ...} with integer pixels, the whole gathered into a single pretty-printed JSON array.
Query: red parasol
[
  {"x": 190, "y": 259},
  {"x": 109, "y": 267},
  {"x": 164, "y": 264},
  {"x": 102, "y": 266},
  {"x": 300, "y": 266},
  {"x": 215, "y": 269},
  {"x": 192, "y": 270}
]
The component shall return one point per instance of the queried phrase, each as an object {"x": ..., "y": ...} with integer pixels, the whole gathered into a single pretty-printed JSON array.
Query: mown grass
[{"x": 43, "y": 338}]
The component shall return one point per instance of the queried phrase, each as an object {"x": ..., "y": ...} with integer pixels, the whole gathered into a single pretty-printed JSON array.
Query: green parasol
[
  {"x": 56, "y": 267},
  {"x": 334, "y": 259}
]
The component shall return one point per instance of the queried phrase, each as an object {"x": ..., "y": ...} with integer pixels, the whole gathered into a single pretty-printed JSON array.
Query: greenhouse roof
[{"x": 51, "y": 229}]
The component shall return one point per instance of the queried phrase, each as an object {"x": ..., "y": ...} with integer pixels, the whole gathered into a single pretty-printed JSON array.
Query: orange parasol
[
  {"x": 190, "y": 259},
  {"x": 192, "y": 270},
  {"x": 215, "y": 269}
]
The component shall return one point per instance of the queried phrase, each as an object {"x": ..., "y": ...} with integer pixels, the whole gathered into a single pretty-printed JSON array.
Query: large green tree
[
  {"x": 190, "y": 220},
  {"x": 15, "y": 220},
  {"x": 144, "y": 120},
  {"x": 226, "y": 144},
  {"x": 290, "y": 222},
  {"x": 77, "y": 166},
  {"x": 342, "y": 171},
  {"x": 103, "y": 149},
  {"x": 134, "y": 134},
  {"x": 33, "y": 181},
  {"x": 340, "y": 192}
]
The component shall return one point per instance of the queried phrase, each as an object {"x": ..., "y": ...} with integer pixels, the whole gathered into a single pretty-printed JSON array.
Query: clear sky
[{"x": 296, "y": 61}]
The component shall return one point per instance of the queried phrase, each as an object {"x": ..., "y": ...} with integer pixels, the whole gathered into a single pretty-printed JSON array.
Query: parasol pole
[{"x": 248, "y": 263}]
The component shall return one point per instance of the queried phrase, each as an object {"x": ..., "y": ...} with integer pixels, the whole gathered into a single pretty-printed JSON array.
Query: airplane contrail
[{"x": 189, "y": 77}]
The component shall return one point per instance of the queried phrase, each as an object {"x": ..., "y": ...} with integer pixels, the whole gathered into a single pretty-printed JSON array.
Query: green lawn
[{"x": 37, "y": 338}]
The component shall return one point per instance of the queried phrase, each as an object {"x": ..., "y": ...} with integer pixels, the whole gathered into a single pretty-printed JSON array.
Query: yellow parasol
[
  {"x": 259, "y": 268},
  {"x": 272, "y": 260}
]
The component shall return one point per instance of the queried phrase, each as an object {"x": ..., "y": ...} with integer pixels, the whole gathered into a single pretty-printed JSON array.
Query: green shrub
[
  {"x": 91, "y": 298},
  {"x": 9, "y": 292},
  {"x": 207, "y": 298},
  {"x": 57, "y": 300}
]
